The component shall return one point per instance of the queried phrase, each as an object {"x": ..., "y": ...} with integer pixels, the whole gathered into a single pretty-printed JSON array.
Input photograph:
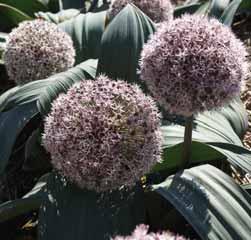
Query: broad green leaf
[
  {"x": 58, "y": 17},
  {"x": 214, "y": 137},
  {"x": 53, "y": 6},
  {"x": 172, "y": 157},
  {"x": 245, "y": 5},
  {"x": 14, "y": 208},
  {"x": 30, "y": 202},
  {"x": 3, "y": 38},
  {"x": 122, "y": 43},
  {"x": 11, "y": 124},
  {"x": 29, "y": 7},
  {"x": 204, "y": 9},
  {"x": 36, "y": 157},
  {"x": 43, "y": 90},
  {"x": 4, "y": 97},
  {"x": 5, "y": 83},
  {"x": 86, "y": 214},
  {"x": 40, "y": 186},
  {"x": 86, "y": 31},
  {"x": 233, "y": 152},
  {"x": 213, "y": 8},
  {"x": 247, "y": 187},
  {"x": 190, "y": 9},
  {"x": 98, "y": 6},
  {"x": 215, "y": 206},
  {"x": 62, "y": 82},
  {"x": 228, "y": 15},
  {"x": 73, "y": 4},
  {"x": 11, "y": 17},
  {"x": 20, "y": 104},
  {"x": 237, "y": 116}
]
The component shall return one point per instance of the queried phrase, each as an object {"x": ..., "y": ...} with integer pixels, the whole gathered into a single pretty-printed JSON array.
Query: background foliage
[{"x": 204, "y": 194}]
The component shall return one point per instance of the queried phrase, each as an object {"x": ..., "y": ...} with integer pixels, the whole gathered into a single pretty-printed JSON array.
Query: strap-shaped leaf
[
  {"x": 245, "y": 5},
  {"x": 211, "y": 202},
  {"x": 42, "y": 90},
  {"x": 31, "y": 201},
  {"x": 87, "y": 214},
  {"x": 11, "y": 124},
  {"x": 213, "y": 8},
  {"x": 247, "y": 187},
  {"x": 61, "y": 83},
  {"x": 190, "y": 8},
  {"x": 36, "y": 157},
  {"x": 228, "y": 15},
  {"x": 29, "y": 7},
  {"x": 172, "y": 158},
  {"x": 52, "y": 5},
  {"x": 11, "y": 17},
  {"x": 86, "y": 31},
  {"x": 237, "y": 116},
  {"x": 58, "y": 17},
  {"x": 66, "y": 4},
  {"x": 214, "y": 135},
  {"x": 122, "y": 43},
  {"x": 20, "y": 104},
  {"x": 3, "y": 37}
]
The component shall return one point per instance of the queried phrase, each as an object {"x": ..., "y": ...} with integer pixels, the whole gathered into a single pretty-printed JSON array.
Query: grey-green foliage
[
  {"x": 122, "y": 43},
  {"x": 86, "y": 31},
  {"x": 20, "y": 104},
  {"x": 215, "y": 206},
  {"x": 216, "y": 136},
  {"x": 87, "y": 214},
  {"x": 58, "y": 17}
]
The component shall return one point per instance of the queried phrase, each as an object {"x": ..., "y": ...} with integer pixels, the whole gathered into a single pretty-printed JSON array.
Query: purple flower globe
[
  {"x": 141, "y": 233},
  {"x": 103, "y": 134},
  {"x": 157, "y": 10},
  {"x": 193, "y": 64},
  {"x": 37, "y": 49}
]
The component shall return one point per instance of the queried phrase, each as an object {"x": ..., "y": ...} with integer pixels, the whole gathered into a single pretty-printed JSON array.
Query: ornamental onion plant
[
  {"x": 36, "y": 50},
  {"x": 191, "y": 65},
  {"x": 141, "y": 233},
  {"x": 103, "y": 134},
  {"x": 157, "y": 10}
]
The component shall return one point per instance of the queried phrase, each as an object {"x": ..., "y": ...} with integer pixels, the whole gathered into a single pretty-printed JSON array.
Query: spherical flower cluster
[
  {"x": 140, "y": 233},
  {"x": 193, "y": 64},
  {"x": 37, "y": 49},
  {"x": 157, "y": 10},
  {"x": 103, "y": 134}
]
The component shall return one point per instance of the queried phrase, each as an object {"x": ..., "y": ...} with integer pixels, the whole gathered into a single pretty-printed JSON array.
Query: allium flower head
[
  {"x": 140, "y": 233},
  {"x": 103, "y": 134},
  {"x": 157, "y": 10},
  {"x": 193, "y": 64},
  {"x": 37, "y": 49}
]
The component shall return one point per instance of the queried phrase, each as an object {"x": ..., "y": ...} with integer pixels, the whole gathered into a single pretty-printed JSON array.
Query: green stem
[{"x": 187, "y": 144}]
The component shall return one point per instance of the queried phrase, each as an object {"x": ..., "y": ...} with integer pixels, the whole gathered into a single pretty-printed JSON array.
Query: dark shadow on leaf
[
  {"x": 88, "y": 214},
  {"x": 230, "y": 147},
  {"x": 189, "y": 198}
]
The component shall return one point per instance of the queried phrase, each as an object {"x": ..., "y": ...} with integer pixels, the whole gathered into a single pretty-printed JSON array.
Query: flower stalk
[{"x": 187, "y": 144}]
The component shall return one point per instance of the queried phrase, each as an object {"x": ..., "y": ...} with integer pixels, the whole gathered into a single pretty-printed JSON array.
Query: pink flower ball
[
  {"x": 193, "y": 64},
  {"x": 141, "y": 233},
  {"x": 37, "y": 49},
  {"x": 103, "y": 134},
  {"x": 157, "y": 10}
]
